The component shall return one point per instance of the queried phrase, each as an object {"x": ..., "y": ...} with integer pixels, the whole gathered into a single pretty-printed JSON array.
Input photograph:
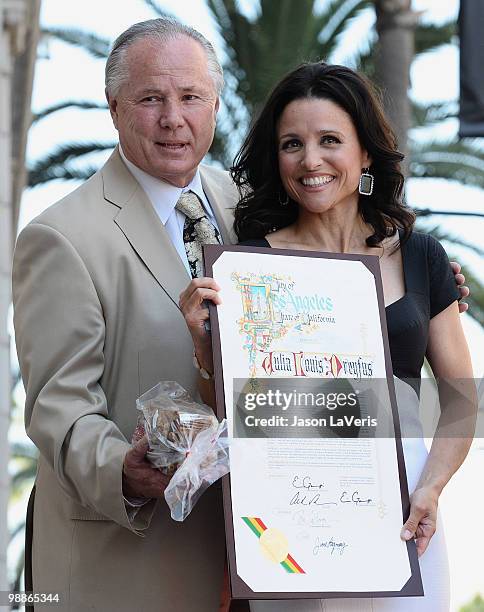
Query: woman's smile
[{"x": 316, "y": 182}]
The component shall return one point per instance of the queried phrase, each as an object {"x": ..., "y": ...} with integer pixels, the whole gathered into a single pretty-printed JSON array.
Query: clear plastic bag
[{"x": 186, "y": 442}]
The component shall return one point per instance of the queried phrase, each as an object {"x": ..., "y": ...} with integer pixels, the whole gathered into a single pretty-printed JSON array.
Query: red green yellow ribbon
[{"x": 257, "y": 526}]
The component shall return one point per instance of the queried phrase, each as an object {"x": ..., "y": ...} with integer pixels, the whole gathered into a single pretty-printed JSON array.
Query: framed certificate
[{"x": 317, "y": 492}]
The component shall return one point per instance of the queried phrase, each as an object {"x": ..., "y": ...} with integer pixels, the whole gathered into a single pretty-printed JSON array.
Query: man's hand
[
  {"x": 140, "y": 478},
  {"x": 460, "y": 279},
  {"x": 193, "y": 305}
]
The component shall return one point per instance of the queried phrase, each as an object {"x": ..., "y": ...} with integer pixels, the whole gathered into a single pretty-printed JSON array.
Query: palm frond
[
  {"x": 444, "y": 236},
  {"x": 219, "y": 150},
  {"x": 261, "y": 50},
  {"x": 428, "y": 212},
  {"x": 82, "y": 104},
  {"x": 286, "y": 30},
  {"x": 242, "y": 45},
  {"x": 456, "y": 160},
  {"x": 427, "y": 114},
  {"x": 221, "y": 11},
  {"x": 364, "y": 61},
  {"x": 16, "y": 377},
  {"x": 95, "y": 45},
  {"x": 335, "y": 19},
  {"x": 62, "y": 174},
  {"x": 22, "y": 450},
  {"x": 22, "y": 477},
  {"x": 429, "y": 37},
  {"x": 49, "y": 166},
  {"x": 475, "y": 605},
  {"x": 53, "y": 165},
  {"x": 16, "y": 530},
  {"x": 17, "y": 583},
  {"x": 152, "y": 4}
]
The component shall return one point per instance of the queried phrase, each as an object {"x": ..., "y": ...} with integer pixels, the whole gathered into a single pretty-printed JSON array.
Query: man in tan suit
[{"x": 96, "y": 283}]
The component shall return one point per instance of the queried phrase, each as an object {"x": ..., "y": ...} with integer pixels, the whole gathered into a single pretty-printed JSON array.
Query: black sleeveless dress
[{"x": 429, "y": 288}]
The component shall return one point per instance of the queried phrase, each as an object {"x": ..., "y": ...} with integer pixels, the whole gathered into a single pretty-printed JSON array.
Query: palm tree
[
  {"x": 260, "y": 58},
  {"x": 259, "y": 52},
  {"x": 261, "y": 49},
  {"x": 476, "y": 605},
  {"x": 396, "y": 24}
]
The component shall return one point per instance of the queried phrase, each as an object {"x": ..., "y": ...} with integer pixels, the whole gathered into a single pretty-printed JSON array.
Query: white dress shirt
[{"x": 164, "y": 197}]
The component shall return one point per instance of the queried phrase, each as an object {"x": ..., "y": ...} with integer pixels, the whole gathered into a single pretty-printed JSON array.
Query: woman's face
[{"x": 320, "y": 156}]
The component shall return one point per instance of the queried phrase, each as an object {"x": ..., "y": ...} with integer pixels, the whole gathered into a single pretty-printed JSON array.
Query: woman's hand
[
  {"x": 422, "y": 521},
  {"x": 194, "y": 309}
]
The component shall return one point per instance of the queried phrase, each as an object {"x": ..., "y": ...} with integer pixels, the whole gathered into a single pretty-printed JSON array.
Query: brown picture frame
[{"x": 239, "y": 589}]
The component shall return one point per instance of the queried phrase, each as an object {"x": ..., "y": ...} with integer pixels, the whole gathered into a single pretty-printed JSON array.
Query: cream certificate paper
[{"x": 310, "y": 515}]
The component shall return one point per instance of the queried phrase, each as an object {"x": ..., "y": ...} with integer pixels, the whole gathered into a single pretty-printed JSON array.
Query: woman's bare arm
[{"x": 449, "y": 358}]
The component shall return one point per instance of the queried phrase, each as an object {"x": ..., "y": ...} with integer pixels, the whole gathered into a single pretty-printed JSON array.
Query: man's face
[{"x": 165, "y": 111}]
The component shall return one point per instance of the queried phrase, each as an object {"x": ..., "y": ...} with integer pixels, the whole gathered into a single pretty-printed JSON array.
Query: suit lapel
[
  {"x": 218, "y": 201},
  {"x": 138, "y": 221}
]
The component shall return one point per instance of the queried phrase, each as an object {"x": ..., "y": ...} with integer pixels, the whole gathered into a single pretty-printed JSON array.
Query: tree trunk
[
  {"x": 18, "y": 42},
  {"x": 395, "y": 24},
  {"x": 5, "y": 258}
]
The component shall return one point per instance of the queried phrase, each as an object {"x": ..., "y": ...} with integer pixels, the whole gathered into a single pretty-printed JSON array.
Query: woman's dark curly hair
[{"x": 256, "y": 168}]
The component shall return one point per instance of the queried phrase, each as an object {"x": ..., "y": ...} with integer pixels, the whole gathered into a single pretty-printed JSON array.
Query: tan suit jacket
[{"x": 96, "y": 282}]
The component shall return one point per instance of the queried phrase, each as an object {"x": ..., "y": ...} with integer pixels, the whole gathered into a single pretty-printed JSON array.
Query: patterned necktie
[{"x": 198, "y": 230}]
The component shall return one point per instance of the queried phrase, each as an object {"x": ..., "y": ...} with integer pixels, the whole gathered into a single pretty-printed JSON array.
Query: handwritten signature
[
  {"x": 303, "y": 499},
  {"x": 305, "y": 495},
  {"x": 331, "y": 545},
  {"x": 354, "y": 498},
  {"x": 305, "y": 483}
]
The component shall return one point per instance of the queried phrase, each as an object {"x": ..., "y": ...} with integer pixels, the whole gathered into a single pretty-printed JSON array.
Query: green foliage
[
  {"x": 476, "y": 605},
  {"x": 429, "y": 114},
  {"x": 284, "y": 34},
  {"x": 82, "y": 104},
  {"x": 93, "y": 44},
  {"x": 24, "y": 460},
  {"x": 461, "y": 161},
  {"x": 429, "y": 37},
  {"x": 444, "y": 236},
  {"x": 259, "y": 50},
  {"x": 56, "y": 164},
  {"x": 156, "y": 8}
]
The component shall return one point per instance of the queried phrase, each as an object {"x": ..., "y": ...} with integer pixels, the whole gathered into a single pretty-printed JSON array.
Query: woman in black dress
[{"x": 320, "y": 171}]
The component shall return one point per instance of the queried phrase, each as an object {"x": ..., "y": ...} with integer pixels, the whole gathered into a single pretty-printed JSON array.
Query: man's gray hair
[{"x": 162, "y": 29}]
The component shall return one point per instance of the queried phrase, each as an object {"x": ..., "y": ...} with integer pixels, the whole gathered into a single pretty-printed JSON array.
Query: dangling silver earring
[
  {"x": 284, "y": 202},
  {"x": 367, "y": 181}
]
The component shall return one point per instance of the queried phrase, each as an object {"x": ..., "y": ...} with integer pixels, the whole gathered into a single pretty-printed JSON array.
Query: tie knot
[{"x": 189, "y": 204}]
